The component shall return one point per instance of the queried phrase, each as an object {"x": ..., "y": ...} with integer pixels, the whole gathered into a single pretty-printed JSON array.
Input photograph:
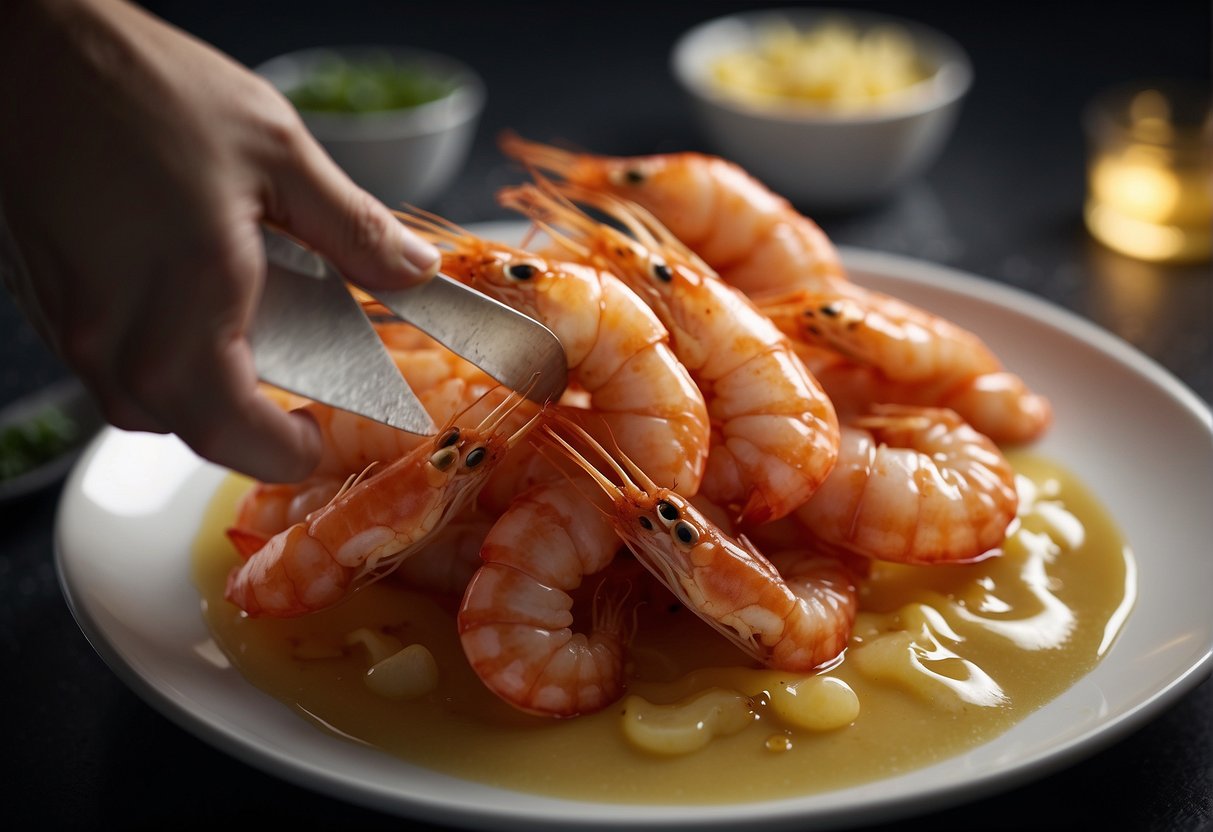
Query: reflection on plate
[{"x": 134, "y": 503}]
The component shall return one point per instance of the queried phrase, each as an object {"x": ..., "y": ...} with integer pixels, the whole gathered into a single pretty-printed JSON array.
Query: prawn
[
  {"x": 450, "y": 559},
  {"x": 774, "y": 430},
  {"x": 516, "y": 620},
  {"x": 914, "y": 485},
  {"x": 618, "y": 352},
  {"x": 374, "y": 523},
  {"x": 792, "y": 613},
  {"x": 445, "y": 385},
  {"x": 757, "y": 242},
  {"x": 906, "y": 355},
  {"x": 269, "y": 507},
  {"x": 750, "y": 235}
]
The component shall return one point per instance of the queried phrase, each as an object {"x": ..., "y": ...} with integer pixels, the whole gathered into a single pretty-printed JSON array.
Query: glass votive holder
[{"x": 1149, "y": 171}]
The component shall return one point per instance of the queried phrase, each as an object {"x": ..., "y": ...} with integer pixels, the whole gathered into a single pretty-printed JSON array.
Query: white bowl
[
  {"x": 822, "y": 158},
  {"x": 401, "y": 156}
]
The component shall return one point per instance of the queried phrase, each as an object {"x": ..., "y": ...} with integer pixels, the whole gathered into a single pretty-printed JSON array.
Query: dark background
[{"x": 80, "y": 750}]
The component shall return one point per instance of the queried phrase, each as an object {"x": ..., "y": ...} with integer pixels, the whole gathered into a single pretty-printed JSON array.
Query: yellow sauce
[{"x": 942, "y": 659}]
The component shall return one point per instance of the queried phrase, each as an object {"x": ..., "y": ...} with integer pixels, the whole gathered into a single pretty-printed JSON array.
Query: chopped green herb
[
  {"x": 374, "y": 84},
  {"x": 43, "y": 437}
]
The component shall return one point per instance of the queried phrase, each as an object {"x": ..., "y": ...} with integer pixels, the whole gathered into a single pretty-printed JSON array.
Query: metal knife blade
[
  {"x": 310, "y": 337},
  {"x": 518, "y": 351}
]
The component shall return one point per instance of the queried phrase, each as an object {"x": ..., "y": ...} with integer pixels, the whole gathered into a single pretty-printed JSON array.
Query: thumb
[{"x": 316, "y": 202}]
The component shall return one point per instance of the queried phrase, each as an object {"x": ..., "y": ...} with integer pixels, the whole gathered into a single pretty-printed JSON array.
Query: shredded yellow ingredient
[{"x": 834, "y": 65}]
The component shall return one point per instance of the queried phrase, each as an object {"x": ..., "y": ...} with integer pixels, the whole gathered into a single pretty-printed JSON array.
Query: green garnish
[
  {"x": 43, "y": 437},
  {"x": 373, "y": 84}
]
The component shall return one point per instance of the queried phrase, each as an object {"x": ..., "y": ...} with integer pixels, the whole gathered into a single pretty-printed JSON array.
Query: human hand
[{"x": 135, "y": 183}]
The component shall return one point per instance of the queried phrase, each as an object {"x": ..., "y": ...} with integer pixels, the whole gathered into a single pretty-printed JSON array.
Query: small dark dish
[{"x": 62, "y": 419}]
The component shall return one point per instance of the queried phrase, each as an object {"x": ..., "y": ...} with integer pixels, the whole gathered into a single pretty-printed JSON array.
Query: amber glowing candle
[{"x": 1149, "y": 176}]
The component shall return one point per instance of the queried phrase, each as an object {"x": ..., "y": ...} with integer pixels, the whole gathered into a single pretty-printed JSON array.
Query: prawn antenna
[
  {"x": 505, "y": 407},
  {"x": 618, "y": 209},
  {"x": 552, "y": 159},
  {"x": 545, "y": 211},
  {"x": 526, "y": 427},
  {"x": 529, "y": 235},
  {"x": 546, "y": 451},
  {"x": 644, "y": 227},
  {"x": 636, "y": 473},
  {"x": 646, "y": 484},
  {"x": 351, "y": 481},
  {"x": 435, "y": 228}
]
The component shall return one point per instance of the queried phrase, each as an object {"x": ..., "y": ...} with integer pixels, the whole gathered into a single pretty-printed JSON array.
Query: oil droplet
[{"x": 779, "y": 743}]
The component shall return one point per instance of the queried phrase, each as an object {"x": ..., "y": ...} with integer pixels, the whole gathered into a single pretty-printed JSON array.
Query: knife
[
  {"x": 513, "y": 348},
  {"x": 311, "y": 337}
]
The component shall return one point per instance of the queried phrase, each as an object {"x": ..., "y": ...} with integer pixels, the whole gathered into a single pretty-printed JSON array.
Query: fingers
[
  {"x": 317, "y": 202},
  {"x": 236, "y": 426},
  {"x": 207, "y": 392},
  {"x": 184, "y": 365}
]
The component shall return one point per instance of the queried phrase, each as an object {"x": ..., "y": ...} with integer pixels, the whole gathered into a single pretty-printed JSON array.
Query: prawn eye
[
  {"x": 662, "y": 272},
  {"x": 630, "y": 176},
  {"x": 475, "y": 457},
  {"x": 443, "y": 457},
  {"x": 521, "y": 271},
  {"x": 449, "y": 438},
  {"x": 645, "y": 523},
  {"x": 685, "y": 533},
  {"x": 667, "y": 512}
]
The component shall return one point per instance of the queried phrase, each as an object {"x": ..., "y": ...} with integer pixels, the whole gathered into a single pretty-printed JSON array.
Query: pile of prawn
[{"x": 728, "y": 383}]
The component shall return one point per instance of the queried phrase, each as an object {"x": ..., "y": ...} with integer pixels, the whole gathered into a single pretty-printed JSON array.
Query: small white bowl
[
  {"x": 816, "y": 157},
  {"x": 401, "y": 156}
]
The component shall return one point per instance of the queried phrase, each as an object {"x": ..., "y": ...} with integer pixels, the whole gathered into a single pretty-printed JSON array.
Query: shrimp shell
[
  {"x": 751, "y": 236},
  {"x": 869, "y": 347},
  {"x": 268, "y": 508},
  {"x": 516, "y": 621},
  {"x": 914, "y": 485}
]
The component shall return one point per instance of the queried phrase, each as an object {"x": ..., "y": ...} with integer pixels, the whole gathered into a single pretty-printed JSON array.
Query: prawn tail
[
  {"x": 579, "y": 674},
  {"x": 756, "y": 511},
  {"x": 1000, "y": 405},
  {"x": 246, "y": 541}
]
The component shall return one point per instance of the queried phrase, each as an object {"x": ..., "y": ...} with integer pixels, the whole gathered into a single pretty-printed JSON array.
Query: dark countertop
[{"x": 1004, "y": 202}]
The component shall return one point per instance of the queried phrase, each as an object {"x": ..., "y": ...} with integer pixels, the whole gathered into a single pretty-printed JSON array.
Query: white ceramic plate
[{"x": 1138, "y": 437}]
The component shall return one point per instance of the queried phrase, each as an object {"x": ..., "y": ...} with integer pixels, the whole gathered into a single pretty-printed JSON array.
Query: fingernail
[{"x": 420, "y": 258}]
